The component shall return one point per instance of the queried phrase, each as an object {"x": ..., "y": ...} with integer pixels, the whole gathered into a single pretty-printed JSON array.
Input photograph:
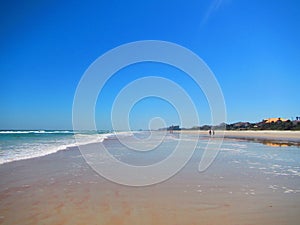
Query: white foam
[
  {"x": 228, "y": 149},
  {"x": 35, "y": 132},
  {"x": 235, "y": 145},
  {"x": 289, "y": 190},
  {"x": 273, "y": 187},
  {"x": 294, "y": 172},
  {"x": 40, "y": 147}
]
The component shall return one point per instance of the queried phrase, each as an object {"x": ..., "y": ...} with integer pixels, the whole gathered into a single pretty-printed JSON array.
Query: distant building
[
  {"x": 274, "y": 120},
  {"x": 171, "y": 128}
]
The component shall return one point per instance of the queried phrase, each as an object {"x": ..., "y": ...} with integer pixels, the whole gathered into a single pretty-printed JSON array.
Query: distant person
[
  {"x": 171, "y": 129},
  {"x": 209, "y": 132},
  {"x": 213, "y": 132}
]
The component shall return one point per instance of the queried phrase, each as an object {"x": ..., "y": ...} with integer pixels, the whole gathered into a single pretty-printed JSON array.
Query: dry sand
[{"x": 275, "y": 136}]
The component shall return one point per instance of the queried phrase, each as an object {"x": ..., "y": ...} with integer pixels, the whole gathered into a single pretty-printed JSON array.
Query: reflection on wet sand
[
  {"x": 274, "y": 144},
  {"x": 271, "y": 143}
]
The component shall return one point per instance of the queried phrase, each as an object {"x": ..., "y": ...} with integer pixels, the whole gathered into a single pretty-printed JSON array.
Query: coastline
[
  {"x": 61, "y": 188},
  {"x": 273, "y": 136}
]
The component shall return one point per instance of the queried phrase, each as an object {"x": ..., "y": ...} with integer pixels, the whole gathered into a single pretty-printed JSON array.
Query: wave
[
  {"x": 45, "y": 145},
  {"x": 35, "y": 132}
]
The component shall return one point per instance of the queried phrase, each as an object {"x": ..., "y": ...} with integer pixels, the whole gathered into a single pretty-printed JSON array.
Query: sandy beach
[
  {"x": 249, "y": 183},
  {"x": 102, "y": 103},
  {"x": 292, "y": 137}
]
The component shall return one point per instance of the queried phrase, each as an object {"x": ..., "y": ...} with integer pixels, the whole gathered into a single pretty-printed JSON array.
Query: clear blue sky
[{"x": 252, "y": 47}]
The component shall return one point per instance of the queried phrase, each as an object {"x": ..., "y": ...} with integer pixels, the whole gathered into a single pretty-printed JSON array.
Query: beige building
[{"x": 270, "y": 120}]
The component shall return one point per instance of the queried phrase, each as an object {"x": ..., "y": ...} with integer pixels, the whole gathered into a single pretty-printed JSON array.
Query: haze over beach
[{"x": 150, "y": 112}]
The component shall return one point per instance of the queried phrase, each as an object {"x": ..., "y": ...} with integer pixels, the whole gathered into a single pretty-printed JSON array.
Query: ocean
[{"x": 24, "y": 144}]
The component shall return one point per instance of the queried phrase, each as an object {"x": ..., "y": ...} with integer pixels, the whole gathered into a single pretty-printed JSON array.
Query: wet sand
[{"x": 62, "y": 189}]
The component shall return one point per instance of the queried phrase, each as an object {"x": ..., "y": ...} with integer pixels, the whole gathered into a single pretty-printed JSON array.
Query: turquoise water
[{"x": 21, "y": 144}]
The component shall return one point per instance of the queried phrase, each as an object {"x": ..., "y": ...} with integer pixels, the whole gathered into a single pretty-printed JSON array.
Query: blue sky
[{"x": 252, "y": 47}]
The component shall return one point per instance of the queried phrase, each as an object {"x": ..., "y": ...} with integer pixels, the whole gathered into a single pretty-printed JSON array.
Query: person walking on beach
[{"x": 209, "y": 132}]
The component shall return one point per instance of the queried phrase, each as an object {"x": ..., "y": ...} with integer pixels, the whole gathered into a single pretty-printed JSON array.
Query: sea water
[{"x": 24, "y": 144}]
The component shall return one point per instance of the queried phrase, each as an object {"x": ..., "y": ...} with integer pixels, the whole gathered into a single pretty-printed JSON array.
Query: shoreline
[
  {"x": 61, "y": 188},
  {"x": 283, "y": 137}
]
